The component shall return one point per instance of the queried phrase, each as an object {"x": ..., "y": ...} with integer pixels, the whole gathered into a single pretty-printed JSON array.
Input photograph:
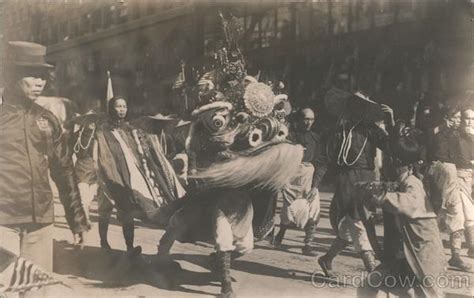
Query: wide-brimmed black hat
[
  {"x": 341, "y": 103},
  {"x": 405, "y": 147},
  {"x": 27, "y": 54}
]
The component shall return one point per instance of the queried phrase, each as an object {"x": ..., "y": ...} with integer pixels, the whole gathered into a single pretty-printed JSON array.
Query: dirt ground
[{"x": 92, "y": 272}]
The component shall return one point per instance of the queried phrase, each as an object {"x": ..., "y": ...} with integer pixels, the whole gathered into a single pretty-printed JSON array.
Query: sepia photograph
[{"x": 213, "y": 148}]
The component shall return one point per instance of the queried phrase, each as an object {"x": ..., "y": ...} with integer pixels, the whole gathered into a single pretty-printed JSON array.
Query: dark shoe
[
  {"x": 458, "y": 263},
  {"x": 279, "y": 237},
  {"x": 230, "y": 294},
  {"x": 368, "y": 257},
  {"x": 134, "y": 251},
  {"x": 325, "y": 262},
  {"x": 309, "y": 231},
  {"x": 103, "y": 228},
  {"x": 309, "y": 251},
  {"x": 226, "y": 290},
  {"x": 104, "y": 244},
  {"x": 166, "y": 242},
  {"x": 79, "y": 240}
]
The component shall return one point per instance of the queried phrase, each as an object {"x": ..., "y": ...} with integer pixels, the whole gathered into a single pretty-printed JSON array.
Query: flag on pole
[
  {"x": 110, "y": 91},
  {"x": 20, "y": 275},
  {"x": 179, "y": 81}
]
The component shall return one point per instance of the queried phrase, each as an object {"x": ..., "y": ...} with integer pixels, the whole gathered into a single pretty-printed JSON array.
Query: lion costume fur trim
[{"x": 272, "y": 168}]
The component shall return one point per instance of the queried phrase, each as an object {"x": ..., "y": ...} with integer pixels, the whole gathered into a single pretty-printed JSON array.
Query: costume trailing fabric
[
  {"x": 264, "y": 208},
  {"x": 234, "y": 197},
  {"x": 118, "y": 156},
  {"x": 138, "y": 182},
  {"x": 268, "y": 168},
  {"x": 155, "y": 152}
]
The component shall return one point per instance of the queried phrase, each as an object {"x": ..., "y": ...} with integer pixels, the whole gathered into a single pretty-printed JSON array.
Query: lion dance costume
[{"x": 239, "y": 159}]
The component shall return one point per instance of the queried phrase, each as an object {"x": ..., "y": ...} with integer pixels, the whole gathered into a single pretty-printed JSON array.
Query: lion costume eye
[
  {"x": 255, "y": 137},
  {"x": 218, "y": 121},
  {"x": 215, "y": 120}
]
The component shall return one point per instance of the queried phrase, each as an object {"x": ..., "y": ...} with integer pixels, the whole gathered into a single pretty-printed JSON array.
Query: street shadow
[
  {"x": 246, "y": 266},
  {"x": 296, "y": 249},
  {"x": 321, "y": 243},
  {"x": 114, "y": 269},
  {"x": 61, "y": 225},
  {"x": 268, "y": 270},
  {"x": 94, "y": 217}
]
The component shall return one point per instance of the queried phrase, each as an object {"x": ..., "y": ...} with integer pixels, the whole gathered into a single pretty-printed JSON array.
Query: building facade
[{"x": 392, "y": 49}]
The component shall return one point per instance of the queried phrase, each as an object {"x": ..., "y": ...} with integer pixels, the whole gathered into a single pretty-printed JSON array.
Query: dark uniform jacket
[
  {"x": 31, "y": 143},
  {"x": 84, "y": 169},
  {"x": 313, "y": 148},
  {"x": 464, "y": 151},
  {"x": 443, "y": 145}
]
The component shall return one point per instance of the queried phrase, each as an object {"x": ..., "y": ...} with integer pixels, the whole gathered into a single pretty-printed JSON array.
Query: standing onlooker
[
  {"x": 464, "y": 163},
  {"x": 300, "y": 187},
  {"x": 443, "y": 184},
  {"x": 32, "y": 142},
  {"x": 113, "y": 145},
  {"x": 85, "y": 168},
  {"x": 134, "y": 173}
]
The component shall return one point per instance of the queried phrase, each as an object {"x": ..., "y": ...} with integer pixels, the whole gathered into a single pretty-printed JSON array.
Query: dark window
[
  {"x": 63, "y": 30},
  {"x": 44, "y": 37},
  {"x": 267, "y": 27},
  {"x": 96, "y": 20},
  {"x": 136, "y": 10},
  {"x": 113, "y": 14},
  {"x": 122, "y": 13},
  {"x": 151, "y": 9},
  {"x": 54, "y": 33},
  {"x": 85, "y": 23},
  {"x": 75, "y": 29},
  {"x": 107, "y": 16}
]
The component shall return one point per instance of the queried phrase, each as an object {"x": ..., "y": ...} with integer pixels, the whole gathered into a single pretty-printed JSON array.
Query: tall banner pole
[
  {"x": 183, "y": 65},
  {"x": 110, "y": 91}
]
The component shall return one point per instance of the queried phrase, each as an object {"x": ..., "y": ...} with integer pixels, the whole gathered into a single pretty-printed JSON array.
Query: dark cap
[{"x": 27, "y": 54}]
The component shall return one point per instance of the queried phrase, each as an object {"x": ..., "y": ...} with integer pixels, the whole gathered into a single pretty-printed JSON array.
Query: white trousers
[
  {"x": 88, "y": 192},
  {"x": 225, "y": 240},
  {"x": 355, "y": 230}
]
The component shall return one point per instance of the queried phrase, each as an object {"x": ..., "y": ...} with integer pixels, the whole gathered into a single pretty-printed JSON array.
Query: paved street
[{"x": 265, "y": 272}]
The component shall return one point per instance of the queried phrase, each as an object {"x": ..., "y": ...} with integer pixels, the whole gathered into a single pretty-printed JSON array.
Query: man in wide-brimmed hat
[
  {"x": 31, "y": 144},
  {"x": 354, "y": 144}
]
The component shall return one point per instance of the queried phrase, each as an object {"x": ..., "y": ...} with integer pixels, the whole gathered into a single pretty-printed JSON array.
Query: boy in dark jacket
[{"x": 413, "y": 252}]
